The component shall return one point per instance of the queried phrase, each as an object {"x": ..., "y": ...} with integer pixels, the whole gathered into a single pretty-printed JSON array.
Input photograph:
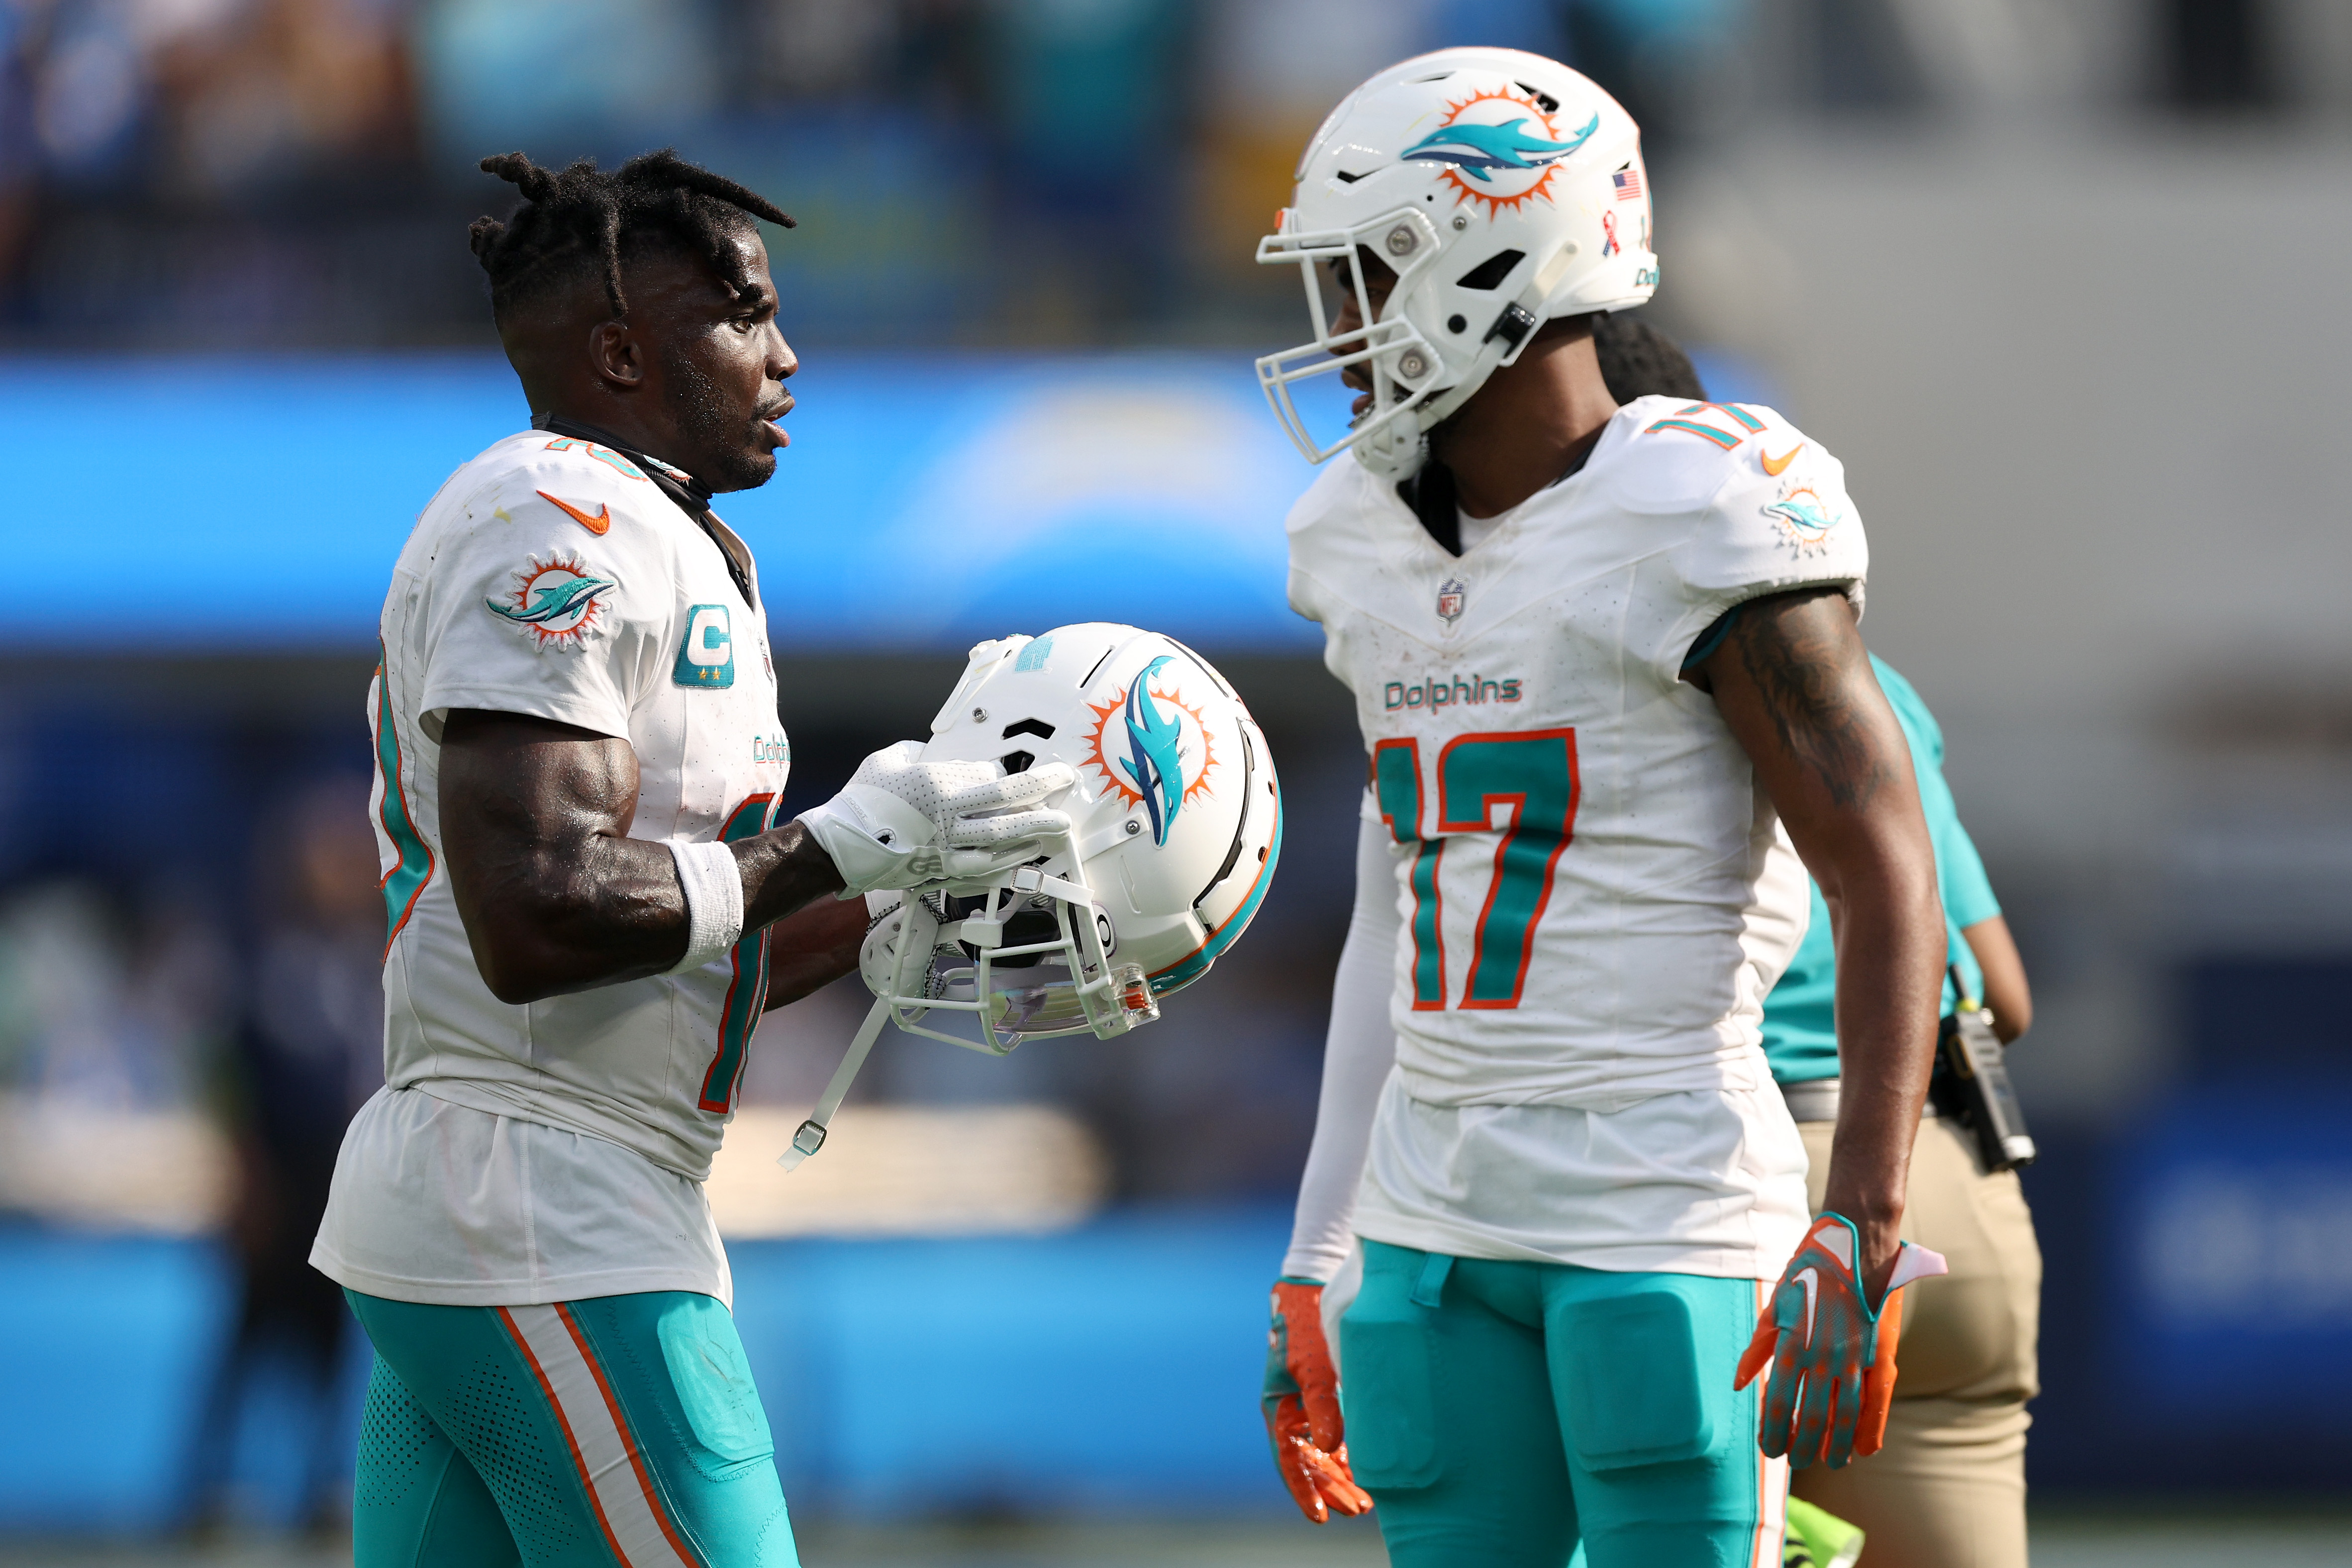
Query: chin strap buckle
[
  {"x": 1512, "y": 326},
  {"x": 806, "y": 1141}
]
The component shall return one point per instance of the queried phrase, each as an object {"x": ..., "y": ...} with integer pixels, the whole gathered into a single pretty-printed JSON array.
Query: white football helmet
[
  {"x": 1503, "y": 189},
  {"x": 1175, "y": 826}
]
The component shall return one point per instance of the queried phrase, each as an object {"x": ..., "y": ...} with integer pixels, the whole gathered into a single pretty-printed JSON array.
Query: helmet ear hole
[
  {"x": 1490, "y": 273},
  {"x": 1017, "y": 762}
]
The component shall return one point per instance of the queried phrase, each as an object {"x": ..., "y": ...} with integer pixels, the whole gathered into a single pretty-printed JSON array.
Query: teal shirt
[{"x": 1800, "y": 1015}]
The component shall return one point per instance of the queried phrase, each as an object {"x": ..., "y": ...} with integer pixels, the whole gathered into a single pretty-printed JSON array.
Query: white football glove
[{"x": 901, "y": 822}]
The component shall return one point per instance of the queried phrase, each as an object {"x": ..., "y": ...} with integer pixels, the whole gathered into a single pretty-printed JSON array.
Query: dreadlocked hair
[
  {"x": 581, "y": 222},
  {"x": 1639, "y": 360}
]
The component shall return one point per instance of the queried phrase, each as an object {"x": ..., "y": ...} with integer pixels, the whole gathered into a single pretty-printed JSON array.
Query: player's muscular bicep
[
  {"x": 554, "y": 896},
  {"x": 511, "y": 784},
  {"x": 1794, "y": 682}
]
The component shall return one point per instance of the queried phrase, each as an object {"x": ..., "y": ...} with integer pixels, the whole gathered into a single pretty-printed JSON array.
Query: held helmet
[
  {"x": 1502, "y": 188},
  {"x": 1176, "y": 823}
]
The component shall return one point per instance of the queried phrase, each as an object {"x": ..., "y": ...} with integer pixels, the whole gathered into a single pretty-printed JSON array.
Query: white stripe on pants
[{"x": 604, "y": 1452}]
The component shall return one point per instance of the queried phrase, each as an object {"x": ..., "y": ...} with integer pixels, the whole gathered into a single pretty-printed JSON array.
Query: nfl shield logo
[{"x": 1449, "y": 599}]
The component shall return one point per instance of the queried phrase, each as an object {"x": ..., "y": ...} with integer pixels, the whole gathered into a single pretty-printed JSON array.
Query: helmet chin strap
[
  {"x": 918, "y": 935},
  {"x": 809, "y": 1137}
]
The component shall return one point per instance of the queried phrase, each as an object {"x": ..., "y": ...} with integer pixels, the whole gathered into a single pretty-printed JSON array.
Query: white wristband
[{"x": 714, "y": 901}]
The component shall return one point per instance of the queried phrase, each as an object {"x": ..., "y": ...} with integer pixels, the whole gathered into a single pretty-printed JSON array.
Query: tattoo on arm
[{"x": 1800, "y": 651}]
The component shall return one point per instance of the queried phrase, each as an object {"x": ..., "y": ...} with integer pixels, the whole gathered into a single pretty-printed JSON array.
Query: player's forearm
[
  {"x": 606, "y": 907},
  {"x": 563, "y": 917},
  {"x": 1890, "y": 955},
  {"x": 814, "y": 946},
  {"x": 785, "y": 870}
]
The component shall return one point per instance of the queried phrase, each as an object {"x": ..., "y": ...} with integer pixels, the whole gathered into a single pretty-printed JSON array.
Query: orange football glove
[
  {"x": 1302, "y": 1406},
  {"x": 1832, "y": 1354}
]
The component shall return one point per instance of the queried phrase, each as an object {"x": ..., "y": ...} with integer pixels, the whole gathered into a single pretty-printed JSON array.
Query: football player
[
  {"x": 588, "y": 903},
  {"x": 1607, "y": 670}
]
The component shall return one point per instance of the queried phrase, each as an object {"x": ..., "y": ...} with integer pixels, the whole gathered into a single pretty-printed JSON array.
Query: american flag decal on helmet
[{"x": 1628, "y": 180}]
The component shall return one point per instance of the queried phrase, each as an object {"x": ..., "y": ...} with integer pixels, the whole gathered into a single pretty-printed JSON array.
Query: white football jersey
[
  {"x": 1596, "y": 895},
  {"x": 550, "y": 577}
]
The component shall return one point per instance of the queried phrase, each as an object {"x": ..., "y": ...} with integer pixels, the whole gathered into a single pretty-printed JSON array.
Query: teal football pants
[
  {"x": 1501, "y": 1413},
  {"x": 618, "y": 1430}
]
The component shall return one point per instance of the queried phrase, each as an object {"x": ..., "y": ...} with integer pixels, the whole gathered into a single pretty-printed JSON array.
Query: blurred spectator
[
  {"x": 271, "y": 171},
  {"x": 1675, "y": 65},
  {"x": 817, "y": 50},
  {"x": 561, "y": 77},
  {"x": 209, "y": 99},
  {"x": 2216, "y": 55},
  {"x": 290, "y": 88},
  {"x": 308, "y": 1049},
  {"x": 1086, "y": 95},
  {"x": 109, "y": 1034},
  {"x": 17, "y": 163},
  {"x": 100, "y": 1014},
  {"x": 1270, "y": 70}
]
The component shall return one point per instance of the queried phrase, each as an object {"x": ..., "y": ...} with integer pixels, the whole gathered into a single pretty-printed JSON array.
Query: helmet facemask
[
  {"x": 1029, "y": 956},
  {"x": 1405, "y": 367},
  {"x": 1416, "y": 384}
]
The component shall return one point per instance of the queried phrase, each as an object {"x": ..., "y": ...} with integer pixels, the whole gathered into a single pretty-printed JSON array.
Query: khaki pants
[{"x": 1948, "y": 1489}]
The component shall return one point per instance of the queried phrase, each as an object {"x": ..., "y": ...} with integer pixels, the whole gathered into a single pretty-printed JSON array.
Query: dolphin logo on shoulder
[
  {"x": 555, "y": 604},
  {"x": 557, "y": 601},
  {"x": 1802, "y": 514}
]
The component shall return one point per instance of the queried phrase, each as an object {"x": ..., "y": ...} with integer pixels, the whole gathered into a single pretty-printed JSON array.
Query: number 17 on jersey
[{"x": 1516, "y": 787}]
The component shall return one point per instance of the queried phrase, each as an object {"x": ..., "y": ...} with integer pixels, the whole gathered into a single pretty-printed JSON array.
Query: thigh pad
[{"x": 1627, "y": 1374}]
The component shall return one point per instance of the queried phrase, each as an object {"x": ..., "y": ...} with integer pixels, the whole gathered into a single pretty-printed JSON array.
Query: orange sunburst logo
[
  {"x": 1197, "y": 747},
  {"x": 1499, "y": 148},
  {"x": 559, "y": 601}
]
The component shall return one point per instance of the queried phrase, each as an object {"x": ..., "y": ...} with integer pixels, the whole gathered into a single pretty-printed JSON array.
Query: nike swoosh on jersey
[
  {"x": 1772, "y": 466},
  {"x": 603, "y": 517}
]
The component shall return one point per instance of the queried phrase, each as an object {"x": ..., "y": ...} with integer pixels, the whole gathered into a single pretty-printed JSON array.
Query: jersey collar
[
  {"x": 1428, "y": 494},
  {"x": 675, "y": 482}
]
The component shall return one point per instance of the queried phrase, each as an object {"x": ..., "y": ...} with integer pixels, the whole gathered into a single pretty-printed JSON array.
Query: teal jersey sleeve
[{"x": 1800, "y": 1015}]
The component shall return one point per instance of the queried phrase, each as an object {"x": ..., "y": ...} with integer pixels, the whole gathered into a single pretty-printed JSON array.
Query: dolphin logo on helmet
[
  {"x": 1475, "y": 149},
  {"x": 1155, "y": 752}
]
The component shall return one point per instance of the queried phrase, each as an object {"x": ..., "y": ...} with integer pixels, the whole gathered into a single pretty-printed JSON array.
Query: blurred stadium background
[{"x": 2059, "y": 279}]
